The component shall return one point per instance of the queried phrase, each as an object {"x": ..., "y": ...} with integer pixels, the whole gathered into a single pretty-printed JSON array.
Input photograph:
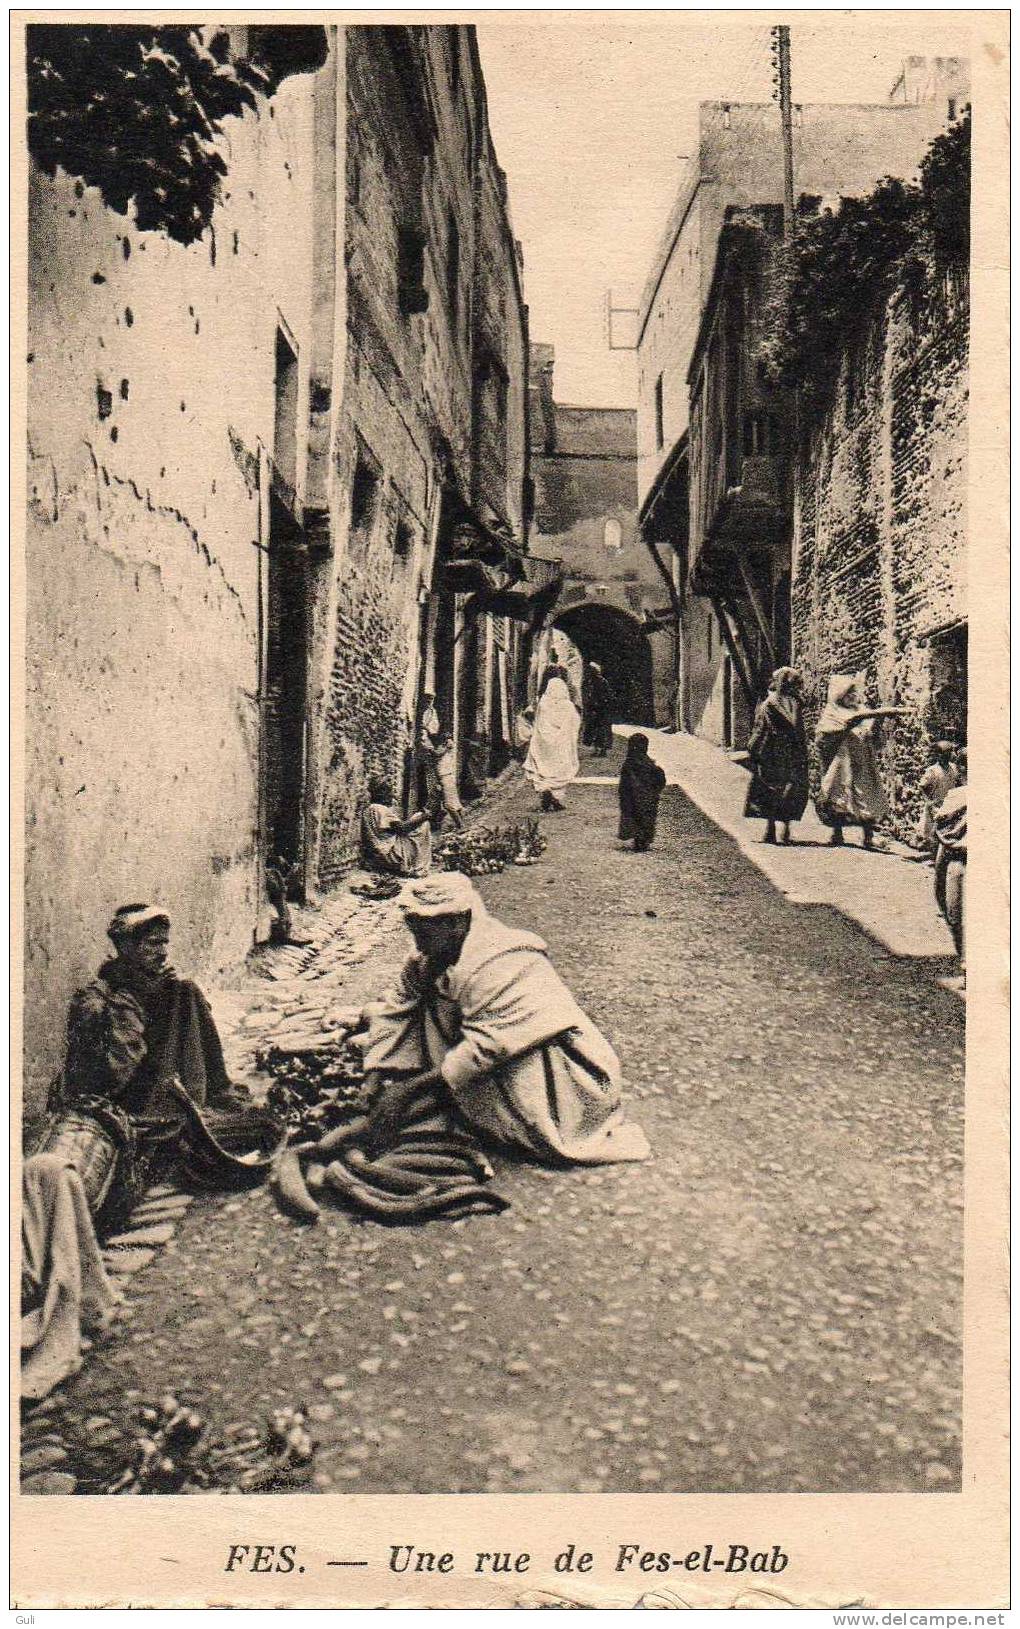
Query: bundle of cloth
[
  {"x": 480, "y": 1045},
  {"x": 66, "y": 1295}
]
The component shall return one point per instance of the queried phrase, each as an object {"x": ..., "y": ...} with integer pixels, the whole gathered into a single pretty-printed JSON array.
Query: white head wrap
[
  {"x": 129, "y": 919},
  {"x": 447, "y": 893}
]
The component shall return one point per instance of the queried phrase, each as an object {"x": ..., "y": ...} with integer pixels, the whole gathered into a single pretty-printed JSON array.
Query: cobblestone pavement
[{"x": 773, "y": 1303}]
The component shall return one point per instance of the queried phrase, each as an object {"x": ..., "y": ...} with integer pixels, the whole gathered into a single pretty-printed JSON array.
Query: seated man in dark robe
[{"x": 137, "y": 1027}]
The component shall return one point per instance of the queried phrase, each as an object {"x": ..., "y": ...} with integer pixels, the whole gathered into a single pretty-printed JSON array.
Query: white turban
[
  {"x": 447, "y": 893},
  {"x": 129, "y": 919}
]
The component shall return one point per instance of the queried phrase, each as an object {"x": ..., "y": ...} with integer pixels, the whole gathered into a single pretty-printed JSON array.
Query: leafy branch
[
  {"x": 842, "y": 267},
  {"x": 136, "y": 112}
]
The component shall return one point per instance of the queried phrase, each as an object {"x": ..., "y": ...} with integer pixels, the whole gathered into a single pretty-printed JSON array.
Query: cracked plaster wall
[{"x": 151, "y": 384}]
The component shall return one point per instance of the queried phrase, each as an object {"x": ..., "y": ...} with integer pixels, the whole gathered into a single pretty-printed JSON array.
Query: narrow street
[{"x": 773, "y": 1303}]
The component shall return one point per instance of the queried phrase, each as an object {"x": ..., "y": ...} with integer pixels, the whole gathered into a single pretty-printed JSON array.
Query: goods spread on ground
[
  {"x": 169, "y": 1449},
  {"x": 424, "y": 1171},
  {"x": 482, "y": 850}
]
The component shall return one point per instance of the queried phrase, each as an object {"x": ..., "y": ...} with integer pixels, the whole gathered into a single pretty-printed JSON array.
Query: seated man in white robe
[
  {"x": 388, "y": 843},
  {"x": 482, "y": 1022}
]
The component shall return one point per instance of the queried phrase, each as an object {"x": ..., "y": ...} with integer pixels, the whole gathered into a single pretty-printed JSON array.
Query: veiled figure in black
[
  {"x": 640, "y": 788},
  {"x": 597, "y": 696},
  {"x": 779, "y": 787}
]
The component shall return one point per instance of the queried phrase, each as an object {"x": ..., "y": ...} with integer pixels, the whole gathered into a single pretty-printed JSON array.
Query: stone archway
[{"x": 616, "y": 640}]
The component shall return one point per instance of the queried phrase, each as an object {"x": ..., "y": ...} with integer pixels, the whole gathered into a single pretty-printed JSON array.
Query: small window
[
  {"x": 612, "y": 535},
  {"x": 411, "y": 291},
  {"x": 659, "y": 426},
  {"x": 403, "y": 539},
  {"x": 452, "y": 265},
  {"x": 364, "y": 496},
  {"x": 455, "y": 60},
  {"x": 952, "y": 109}
]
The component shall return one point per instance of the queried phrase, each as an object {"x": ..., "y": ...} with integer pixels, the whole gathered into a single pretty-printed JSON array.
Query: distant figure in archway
[
  {"x": 598, "y": 710},
  {"x": 614, "y": 639},
  {"x": 552, "y": 761}
]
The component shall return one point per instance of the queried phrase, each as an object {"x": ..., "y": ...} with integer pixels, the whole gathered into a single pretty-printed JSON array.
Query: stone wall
[
  {"x": 239, "y": 458},
  {"x": 879, "y": 565},
  {"x": 417, "y": 424},
  {"x": 150, "y": 389}
]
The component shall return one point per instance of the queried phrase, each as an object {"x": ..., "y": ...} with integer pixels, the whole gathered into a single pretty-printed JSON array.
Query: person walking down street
[
  {"x": 482, "y": 1029},
  {"x": 851, "y": 792},
  {"x": 640, "y": 787},
  {"x": 446, "y": 773},
  {"x": 598, "y": 711},
  {"x": 401, "y": 847},
  {"x": 938, "y": 780},
  {"x": 552, "y": 761},
  {"x": 778, "y": 793},
  {"x": 428, "y": 745},
  {"x": 524, "y": 725},
  {"x": 951, "y": 865}
]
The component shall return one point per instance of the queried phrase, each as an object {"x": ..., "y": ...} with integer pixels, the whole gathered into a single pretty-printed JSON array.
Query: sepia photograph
[{"x": 495, "y": 924}]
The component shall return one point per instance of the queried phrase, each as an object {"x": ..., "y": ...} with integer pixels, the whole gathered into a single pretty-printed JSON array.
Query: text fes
[{"x": 261, "y": 1558}]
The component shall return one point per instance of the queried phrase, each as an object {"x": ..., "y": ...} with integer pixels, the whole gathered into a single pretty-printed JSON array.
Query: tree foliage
[
  {"x": 843, "y": 266},
  {"x": 136, "y": 112},
  {"x": 945, "y": 197}
]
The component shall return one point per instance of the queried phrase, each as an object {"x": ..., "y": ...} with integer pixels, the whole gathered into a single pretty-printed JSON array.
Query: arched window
[{"x": 612, "y": 536}]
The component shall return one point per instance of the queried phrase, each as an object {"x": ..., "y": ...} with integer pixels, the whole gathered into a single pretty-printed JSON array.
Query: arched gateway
[{"x": 616, "y": 640}]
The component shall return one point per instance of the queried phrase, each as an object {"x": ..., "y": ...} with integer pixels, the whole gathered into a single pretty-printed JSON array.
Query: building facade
[
  {"x": 584, "y": 468},
  {"x": 880, "y": 536},
  {"x": 698, "y": 413},
  {"x": 271, "y": 471},
  {"x": 431, "y": 448}
]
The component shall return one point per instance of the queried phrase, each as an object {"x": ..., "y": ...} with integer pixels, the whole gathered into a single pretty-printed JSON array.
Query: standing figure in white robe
[
  {"x": 553, "y": 761},
  {"x": 482, "y": 1022}
]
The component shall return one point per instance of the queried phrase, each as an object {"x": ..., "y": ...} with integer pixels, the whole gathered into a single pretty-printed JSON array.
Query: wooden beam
[
  {"x": 757, "y": 606},
  {"x": 665, "y": 573},
  {"x": 731, "y": 645}
]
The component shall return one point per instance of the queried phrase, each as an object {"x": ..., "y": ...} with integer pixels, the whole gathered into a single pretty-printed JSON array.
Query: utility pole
[{"x": 781, "y": 92}]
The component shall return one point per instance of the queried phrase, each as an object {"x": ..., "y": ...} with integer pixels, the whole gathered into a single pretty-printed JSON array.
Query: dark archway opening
[{"x": 615, "y": 640}]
